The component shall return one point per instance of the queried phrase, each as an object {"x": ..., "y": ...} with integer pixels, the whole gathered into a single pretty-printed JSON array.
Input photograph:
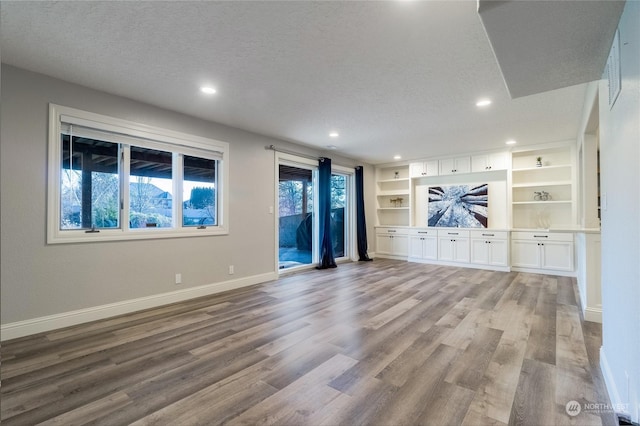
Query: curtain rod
[
  {"x": 286, "y": 151},
  {"x": 311, "y": 157}
]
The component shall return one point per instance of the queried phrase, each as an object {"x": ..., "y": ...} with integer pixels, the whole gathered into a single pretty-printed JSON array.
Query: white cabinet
[
  {"x": 427, "y": 168},
  {"x": 392, "y": 242},
  {"x": 450, "y": 166},
  {"x": 489, "y": 162},
  {"x": 542, "y": 250},
  {"x": 453, "y": 246},
  {"x": 490, "y": 248},
  {"x": 423, "y": 244}
]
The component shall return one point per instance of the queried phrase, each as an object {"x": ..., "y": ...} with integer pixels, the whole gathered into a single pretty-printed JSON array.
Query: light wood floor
[{"x": 383, "y": 342}]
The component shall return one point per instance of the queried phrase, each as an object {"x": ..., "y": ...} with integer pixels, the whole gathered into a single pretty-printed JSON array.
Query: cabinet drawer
[
  {"x": 391, "y": 231},
  {"x": 460, "y": 233},
  {"x": 487, "y": 233},
  {"x": 424, "y": 232},
  {"x": 542, "y": 236}
]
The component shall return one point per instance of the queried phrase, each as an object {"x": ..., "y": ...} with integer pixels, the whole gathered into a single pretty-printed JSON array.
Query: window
[{"x": 111, "y": 179}]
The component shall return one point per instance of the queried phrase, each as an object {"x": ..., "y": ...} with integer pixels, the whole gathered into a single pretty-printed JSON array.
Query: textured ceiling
[
  {"x": 572, "y": 38},
  {"x": 390, "y": 77}
]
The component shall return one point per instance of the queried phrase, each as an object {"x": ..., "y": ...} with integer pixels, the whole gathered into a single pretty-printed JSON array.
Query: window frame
[{"x": 143, "y": 135}]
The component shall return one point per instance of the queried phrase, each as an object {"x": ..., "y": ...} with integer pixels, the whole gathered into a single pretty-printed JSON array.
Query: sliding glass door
[
  {"x": 297, "y": 224},
  {"x": 295, "y": 215},
  {"x": 340, "y": 214}
]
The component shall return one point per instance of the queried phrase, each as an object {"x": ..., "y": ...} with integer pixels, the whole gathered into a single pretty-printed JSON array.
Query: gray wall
[
  {"x": 39, "y": 279},
  {"x": 620, "y": 178}
]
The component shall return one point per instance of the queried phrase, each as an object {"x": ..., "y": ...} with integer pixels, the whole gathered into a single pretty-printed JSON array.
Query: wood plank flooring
[{"x": 375, "y": 343}]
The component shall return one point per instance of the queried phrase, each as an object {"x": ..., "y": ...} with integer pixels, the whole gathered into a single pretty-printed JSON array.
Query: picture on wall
[{"x": 458, "y": 206}]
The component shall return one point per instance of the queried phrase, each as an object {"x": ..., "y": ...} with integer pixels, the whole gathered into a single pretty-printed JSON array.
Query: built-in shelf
[
  {"x": 393, "y": 183},
  {"x": 554, "y": 179},
  {"x": 541, "y": 183},
  {"x": 528, "y": 169},
  {"x": 544, "y": 202},
  {"x": 394, "y": 180},
  {"x": 393, "y": 193}
]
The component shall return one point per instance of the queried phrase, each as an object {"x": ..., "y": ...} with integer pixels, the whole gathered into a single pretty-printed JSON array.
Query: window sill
[{"x": 80, "y": 236}]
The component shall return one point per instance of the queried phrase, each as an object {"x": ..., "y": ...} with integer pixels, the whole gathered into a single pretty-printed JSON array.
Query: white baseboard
[
  {"x": 593, "y": 314},
  {"x": 65, "y": 319}
]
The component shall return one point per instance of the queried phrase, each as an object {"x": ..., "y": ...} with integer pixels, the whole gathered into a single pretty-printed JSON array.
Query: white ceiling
[{"x": 391, "y": 77}]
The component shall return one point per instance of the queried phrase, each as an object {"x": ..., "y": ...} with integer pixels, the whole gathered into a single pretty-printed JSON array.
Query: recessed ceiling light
[
  {"x": 483, "y": 103},
  {"x": 333, "y": 135},
  {"x": 332, "y": 147},
  {"x": 510, "y": 142},
  {"x": 397, "y": 157},
  {"x": 208, "y": 90}
]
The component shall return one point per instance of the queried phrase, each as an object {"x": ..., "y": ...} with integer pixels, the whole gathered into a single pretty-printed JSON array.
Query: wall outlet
[
  {"x": 178, "y": 278},
  {"x": 231, "y": 270}
]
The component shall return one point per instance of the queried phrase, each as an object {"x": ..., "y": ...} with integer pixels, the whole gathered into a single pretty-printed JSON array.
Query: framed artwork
[{"x": 458, "y": 206}]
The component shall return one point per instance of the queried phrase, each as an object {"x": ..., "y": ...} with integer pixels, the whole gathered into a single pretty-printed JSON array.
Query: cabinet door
[
  {"x": 447, "y": 166},
  {"x": 430, "y": 248},
  {"x": 416, "y": 169},
  {"x": 446, "y": 248},
  {"x": 498, "y": 161},
  {"x": 461, "y": 250},
  {"x": 400, "y": 245},
  {"x": 479, "y": 163},
  {"x": 525, "y": 254},
  {"x": 498, "y": 252},
  {"x": 431, "y": 168},
  {"x": 557, "y": 255},
  {"x": 462, "y": 164},
  {"x": 415, "y": 247},
  {"x": 383, "y": 244},
  {"x": 479, "y": 251}
]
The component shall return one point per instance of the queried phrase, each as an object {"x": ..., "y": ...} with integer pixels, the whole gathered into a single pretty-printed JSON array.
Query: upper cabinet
[
  {"x": 489, "y": 162},
  {"x": 543, "y": 189},
  {"x": 427, "y": 168},
  {"x": 457, "y": 165}
]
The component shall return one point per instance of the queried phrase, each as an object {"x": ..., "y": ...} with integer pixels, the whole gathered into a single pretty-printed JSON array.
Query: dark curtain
[
  {"x": 324, "y": 214},
  {"x": 361, "y": 223}
]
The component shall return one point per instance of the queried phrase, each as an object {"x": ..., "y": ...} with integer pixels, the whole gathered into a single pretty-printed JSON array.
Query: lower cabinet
[
  {"x": 453, "y": 245},
  {"x": 527, "y": 251},
  {"x": 423, "y": 244},
  {"x": 542, "y": 250},
  {"x": 392, "y": 242},
  {"x": 490, "y": 248}
]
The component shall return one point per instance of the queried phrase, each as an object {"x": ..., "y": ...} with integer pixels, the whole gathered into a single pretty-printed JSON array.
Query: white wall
[
  {"x": 39, "y": 280},
  {"x": 620, "y": 178}
]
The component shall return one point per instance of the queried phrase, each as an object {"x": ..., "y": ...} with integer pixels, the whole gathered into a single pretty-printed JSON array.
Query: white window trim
[{"x": 181, "y": 142}]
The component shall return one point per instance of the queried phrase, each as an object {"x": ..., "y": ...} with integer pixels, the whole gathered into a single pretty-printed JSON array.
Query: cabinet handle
[
  {"x": 452, "y": 233},
  {"x": 488, "y": 235},
  {"x": 423, "y": 232},
  {"x": 540, "y": 236},
  {"x": 391, "y": 230}
]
